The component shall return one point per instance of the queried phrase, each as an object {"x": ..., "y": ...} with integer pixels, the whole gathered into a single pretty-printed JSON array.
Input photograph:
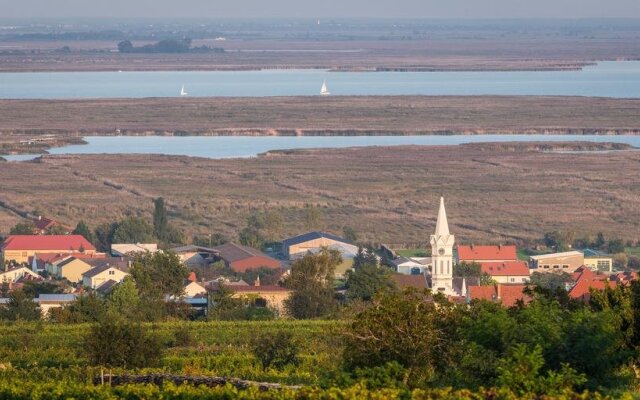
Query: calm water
[
  {"x": 243, "y": 146},
  {"x": 607, "y": 79}
]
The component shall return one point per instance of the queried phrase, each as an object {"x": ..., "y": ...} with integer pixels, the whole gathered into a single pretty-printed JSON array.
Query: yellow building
[
  {"x": 72, "y": 269},
  {"x": 19, "y": 248},
  {"x": 568, "y": 261}
]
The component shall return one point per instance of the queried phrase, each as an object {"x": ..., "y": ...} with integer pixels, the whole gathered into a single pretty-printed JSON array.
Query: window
[
  {"x": 112, "y": 272},
  {"x": 513, "y": 279},
  {"x": 603, "y": 264},
  {"x": 556, "y": 267},
  {"x": 565, "y": 266}
]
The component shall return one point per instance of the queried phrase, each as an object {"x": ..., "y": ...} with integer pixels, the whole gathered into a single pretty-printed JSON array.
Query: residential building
[
  {"x": 480, "y": 254},
  {"x": 298, "y": 246},
  {"x": 412, "y": 265},
  {"x": 128, "y": 249},
  {"x": 240, "y": 258},
  {"x": 507, "y": 271},
  {"x": 557, "y": 262},
  {"x": 597, "y": 260},
  {"x": 195, "y": 256},
  {"x": 49, "y": 301},
  {"x": 271, "y": 296},
  {"x": 99, "y": 275},
  {"x": 403, "y": 281},
  {"x": 43, "y": 224},
  {"x": 507, "y": 295},
  {"x": 14, "y": 274},
  {"x": 20, "y": 248},
  {"x": 193, "y": 289},
  {"x": 72, "y": 269},
  {"x": 586, "y": 281}
]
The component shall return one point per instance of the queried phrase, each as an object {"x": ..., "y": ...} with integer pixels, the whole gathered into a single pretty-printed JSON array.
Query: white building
[{"x": 442, "y": 255}]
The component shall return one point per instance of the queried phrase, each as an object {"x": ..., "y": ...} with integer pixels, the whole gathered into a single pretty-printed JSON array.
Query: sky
[{"x": 320, "y": 8}]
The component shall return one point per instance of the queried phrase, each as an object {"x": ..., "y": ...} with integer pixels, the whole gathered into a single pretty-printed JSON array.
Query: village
[{"x": 71, "y": 265}]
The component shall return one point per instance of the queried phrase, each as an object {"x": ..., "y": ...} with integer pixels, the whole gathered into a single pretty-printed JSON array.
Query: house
[
  {"x": 506, "y": 271},
  {"x": 193, "y": 289},
  {"x": 624, "y": 278},
  {"x": 127, "y": 249},
  {"x": 568, "y": 261},
  {"x": 403, "y": 281},
  {"x": 597, "y": 260},
  {"x": 122, "y": 263},
  {"x": 99, "y": 275},
  {"x": 49, "y": 301},
  {"x": 14, "y": 274},
  {"x": 240, "y": 258},
  {"x": 507, "y": 295},
  {"x": 480, "y": 254},
  {"x": 298, "y": 246},
  {"x": 271, "y": 296},
  {"x": 72, "y": 269},
  {"x": 412, "y": 265},
  {"x": 587, "y": 280},
  {"x": 19, "y": 248},
  {"x": 195, "y": 256},
  {"x": 43, "y": 224}
]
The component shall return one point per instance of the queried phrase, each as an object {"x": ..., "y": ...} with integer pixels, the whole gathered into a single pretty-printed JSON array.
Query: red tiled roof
[
  {"x": 47, "y": 242},
  {"x": 587, "y": 280},
  {"x": 507, "y": 295},
  {"x": 479, "y": 253},
  {"x": 506, "y": 268}
]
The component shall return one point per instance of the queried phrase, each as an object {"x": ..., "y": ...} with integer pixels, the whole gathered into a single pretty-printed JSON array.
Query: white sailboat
[
  {"x": 323, "y": 90},
  {"x": 183, "y": 92}
]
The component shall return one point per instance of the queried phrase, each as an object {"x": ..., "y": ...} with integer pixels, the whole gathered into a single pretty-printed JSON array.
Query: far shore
[{"x": 33, "y": 126}]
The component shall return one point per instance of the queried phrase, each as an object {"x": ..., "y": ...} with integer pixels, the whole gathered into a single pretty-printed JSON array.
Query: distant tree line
[{"x": 167, "y": 46}]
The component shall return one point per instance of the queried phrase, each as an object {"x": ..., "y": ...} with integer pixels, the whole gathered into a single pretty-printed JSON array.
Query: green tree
[
  {"x": 551, "y": 282},
  {"x": 56, "y": 230},
  {"x": 86, "y": 308},
  {"x": 313, "y": 218},
  {"x": 365, "y": 257},
  {"x": 466, "y": 269},
  {"x": 350, "y": 234},
  {"x": 117, "y": 343},
  {"x": 272, "y": 225},
  {"x": 23, "y": 228},
  {"x": 363, "y": 283},
  {"x": 104, "y": 234},
  {"x": 276, "y": 350},
  {"x": 408, "y": 328},
  {"x": 615, "y": 246},
  {"x": 600, "y": 241},
  {"x": 252, "y": 235},
  {"x": 20, "y": 308},
  {"x": 522, "y": 373},
  {"x": 124, "y": 300},
  {"x": 159, "y": 274},
  {"x": 133, "y": 230},
  {"x": 311, "y": 279},
  {"x": 83, "y": 229},
  {"x": 160, "y": 221}
]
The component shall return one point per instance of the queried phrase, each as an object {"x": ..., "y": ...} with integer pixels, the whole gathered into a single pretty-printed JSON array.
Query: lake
[
  {"x": 606, "y": 79},
  {"x": 249, "y": 146}
]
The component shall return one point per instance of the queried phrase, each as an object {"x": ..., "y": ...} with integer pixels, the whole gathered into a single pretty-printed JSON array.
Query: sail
[
  {"x": 182, "y": 91},
  {"x": 323, "y": 89}
]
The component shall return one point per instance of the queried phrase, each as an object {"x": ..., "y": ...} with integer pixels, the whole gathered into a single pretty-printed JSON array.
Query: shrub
[
  {"x": 122, "y": 344},
  {"x": 276, "y": 350}
]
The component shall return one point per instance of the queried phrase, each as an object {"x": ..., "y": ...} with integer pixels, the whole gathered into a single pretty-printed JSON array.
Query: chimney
[
  {"x": 39, "y": 217},
  {"x": 498, "y": 287},
  {"x": 257, "y": 282}
]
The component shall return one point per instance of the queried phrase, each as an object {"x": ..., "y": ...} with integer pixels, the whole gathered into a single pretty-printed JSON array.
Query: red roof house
[
  {"x": 507, "y": 295},
  {"x": 19, "y": 248},
  {"x": 243, "y": 258},
  {"x": 498, "y": 253},
  {"x": 43, "y": 223},
  {"x": 506, "y": 271},
  {"x": 587, "y": 280}
]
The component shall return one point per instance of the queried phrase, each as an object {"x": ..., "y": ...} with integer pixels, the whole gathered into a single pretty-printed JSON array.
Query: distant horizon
[{"x": 456, "y": 9}]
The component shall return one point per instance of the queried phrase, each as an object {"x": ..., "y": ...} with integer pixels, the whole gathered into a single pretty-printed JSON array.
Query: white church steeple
[{"x": 442, "y": 255}]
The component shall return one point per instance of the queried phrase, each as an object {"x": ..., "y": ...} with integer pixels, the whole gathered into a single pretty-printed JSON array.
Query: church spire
[{"x": 442, "y": 226}]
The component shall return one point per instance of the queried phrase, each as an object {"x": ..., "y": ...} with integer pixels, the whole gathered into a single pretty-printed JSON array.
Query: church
[{"x": 442, "y": 242}]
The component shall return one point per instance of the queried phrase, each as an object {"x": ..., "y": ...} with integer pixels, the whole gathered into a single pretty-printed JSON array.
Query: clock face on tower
[{"x": 441, "y": 252}]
